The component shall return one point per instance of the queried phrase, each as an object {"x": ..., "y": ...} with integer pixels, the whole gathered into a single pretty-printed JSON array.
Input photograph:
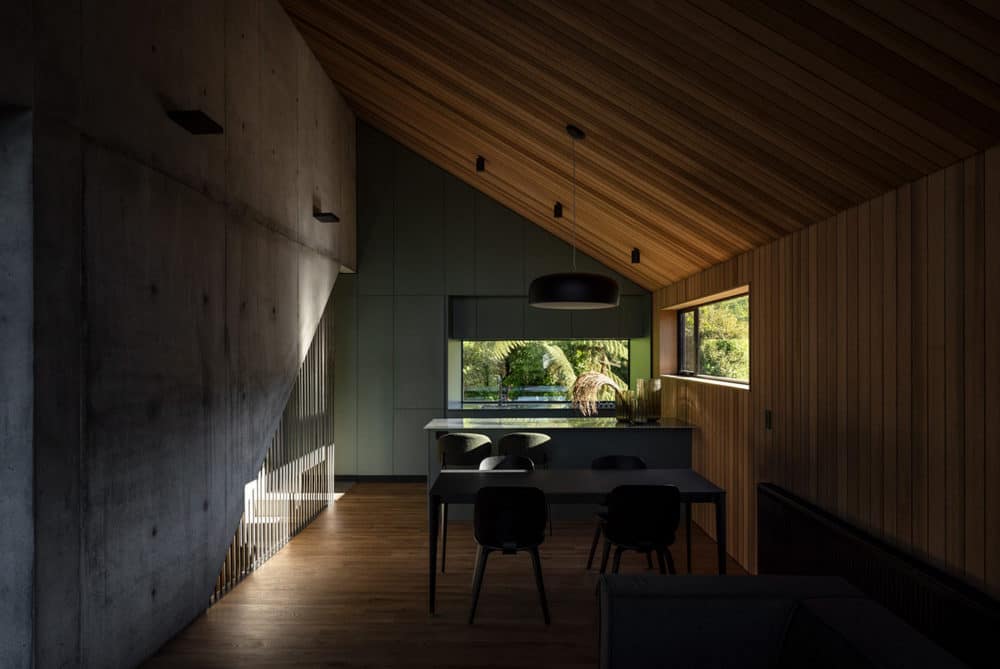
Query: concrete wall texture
[
  {"x": 177, "y": 283},
  {"x": 17, "y": 545}
]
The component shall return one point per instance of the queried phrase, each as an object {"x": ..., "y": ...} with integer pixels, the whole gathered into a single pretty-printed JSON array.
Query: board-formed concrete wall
[
  {"x": 178, "y": 281},
  {"x": 17, "y": 543}
]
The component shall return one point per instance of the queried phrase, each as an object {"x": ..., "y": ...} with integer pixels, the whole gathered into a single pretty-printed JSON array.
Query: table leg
[
  {"x": 720, "y": 530},
  {"x": 687, "y": 531},
  {"x": 433, "y": 523}
]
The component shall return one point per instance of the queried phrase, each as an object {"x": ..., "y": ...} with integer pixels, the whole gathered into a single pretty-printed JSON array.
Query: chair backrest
[
  {"x": 457, "y": 449},
  {"x": 523, "y": 443},
  {"x": 618, "y": 462},
  {"x": 506, "y": 462},
  {"x": 643, "y": 514},
  {"x": 510, "y": 518}
]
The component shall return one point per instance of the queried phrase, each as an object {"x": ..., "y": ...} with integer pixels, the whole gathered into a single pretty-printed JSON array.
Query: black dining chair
[
  {"x": 624, "y": 462},
  {"x": 506, "y": 462},
  {"x": 642, "y": 518},
  {"x": 509, "y": 520},
  {"x": 459, "y": 449},
  {"x": 533, "y": 445},
  {"x": 514, "y": 462}
]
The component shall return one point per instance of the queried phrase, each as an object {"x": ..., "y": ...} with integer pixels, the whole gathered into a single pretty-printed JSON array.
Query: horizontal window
[
  {"x": 539, "y": 371},
  {"x": 713, "y": 340}
]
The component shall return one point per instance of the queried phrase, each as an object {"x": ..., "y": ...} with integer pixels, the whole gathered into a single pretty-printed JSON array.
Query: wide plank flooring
[{"x": 351, "y": 591}]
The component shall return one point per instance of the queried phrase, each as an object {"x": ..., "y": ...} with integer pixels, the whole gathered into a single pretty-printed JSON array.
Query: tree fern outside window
[{"x": 539, "y": 370}]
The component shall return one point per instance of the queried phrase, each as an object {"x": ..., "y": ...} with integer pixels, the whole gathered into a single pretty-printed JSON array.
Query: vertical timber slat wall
[
  {"x": 295, "y": 481},
  {"x": 870, "y": 345}
]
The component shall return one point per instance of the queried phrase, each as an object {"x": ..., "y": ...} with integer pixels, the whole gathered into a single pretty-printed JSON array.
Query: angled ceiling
[{"x": 712, "y": 127}]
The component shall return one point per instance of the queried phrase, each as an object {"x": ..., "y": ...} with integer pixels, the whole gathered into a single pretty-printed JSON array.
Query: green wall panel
[
  {"x": 499, "y": 249},
  {"x": 419, "y": 226},
  {"x": 500, "y": 317},
  {"x": 409, "y": 446},
  {"x": 375, "y": 212},
  {"x": 419, "y": 351},
  {"x": 459, "y": 237},
  {"x": 633, "y": 317},
  {"x": 345, "y": 360},
  {"x": 375, "y": 384}
]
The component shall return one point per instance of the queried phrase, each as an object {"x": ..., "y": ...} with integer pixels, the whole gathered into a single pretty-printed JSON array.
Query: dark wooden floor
[{"x": 351, "y": 591}]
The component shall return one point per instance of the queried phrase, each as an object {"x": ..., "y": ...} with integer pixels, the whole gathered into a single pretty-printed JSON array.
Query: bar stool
[
  {"x": 459, "y": 449},
  {"x": 506, "y": 462},
  {"x": 533, "y": 445}
]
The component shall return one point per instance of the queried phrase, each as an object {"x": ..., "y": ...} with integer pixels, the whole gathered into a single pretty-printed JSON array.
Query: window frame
[
  {"x": 461, "y": 371},
  {"x": 681, "y": 337}
]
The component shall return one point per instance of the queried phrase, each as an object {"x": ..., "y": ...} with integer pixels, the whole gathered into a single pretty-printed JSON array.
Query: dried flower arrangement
[{"x": 586, "y": 388}]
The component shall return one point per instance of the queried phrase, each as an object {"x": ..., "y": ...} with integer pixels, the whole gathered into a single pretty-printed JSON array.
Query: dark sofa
[{"x": 760, "y": 621}]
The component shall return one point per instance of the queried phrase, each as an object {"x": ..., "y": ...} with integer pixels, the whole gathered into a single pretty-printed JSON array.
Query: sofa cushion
[{"x": 847, "y": 632}]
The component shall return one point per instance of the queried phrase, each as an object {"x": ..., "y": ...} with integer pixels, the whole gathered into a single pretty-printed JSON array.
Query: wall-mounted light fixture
[
  {"x": 635, "y": 256},
  {"x": 326, "y": 217},
  {"x": 557, "y": 210},
  {"x": 480, "y": 164},
  {"x": 195, "y": 121}
]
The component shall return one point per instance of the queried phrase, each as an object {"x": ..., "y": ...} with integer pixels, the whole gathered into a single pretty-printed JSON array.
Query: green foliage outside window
[
  {"x": 722, "y": 339},
  {"x": 539, "y": 370}
]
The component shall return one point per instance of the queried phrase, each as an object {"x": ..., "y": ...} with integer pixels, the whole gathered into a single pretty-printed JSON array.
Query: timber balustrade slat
[{"x": 295, "y": 481}]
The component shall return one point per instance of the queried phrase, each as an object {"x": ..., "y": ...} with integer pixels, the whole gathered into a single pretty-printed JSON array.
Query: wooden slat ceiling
[{"x": 712, "y": 127}]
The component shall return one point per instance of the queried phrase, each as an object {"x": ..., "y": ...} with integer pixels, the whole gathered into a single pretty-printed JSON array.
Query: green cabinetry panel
[
  {"x": 375, "y": 384},
  {"x": 500, "y": 317},
  {"x": 375, "y": 212},
  {"x": 419, "y": 226},
  {"x": 634, "y": 315},
  {"x": 595, "y": 323},
  {"x": 345, "y": 361},
  {"x": 419, "y": 351},
  {"x": 459, "y": 237},
  {"x": 409, "y": 446},
  {"x": 546, "y": 323},
  {"x": 462, "y": 317},
  {"x": 499, "y": 249}
]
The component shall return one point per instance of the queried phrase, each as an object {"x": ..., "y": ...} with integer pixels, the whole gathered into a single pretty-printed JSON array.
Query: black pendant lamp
[{"x": 573, "y": 290}]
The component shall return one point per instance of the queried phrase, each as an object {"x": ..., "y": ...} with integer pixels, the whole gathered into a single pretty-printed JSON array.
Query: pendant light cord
[{"x": 574, "y": 204}]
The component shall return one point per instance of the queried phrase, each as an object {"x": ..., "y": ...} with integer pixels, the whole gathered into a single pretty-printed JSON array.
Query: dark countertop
[{"x": 549, "y": 423}]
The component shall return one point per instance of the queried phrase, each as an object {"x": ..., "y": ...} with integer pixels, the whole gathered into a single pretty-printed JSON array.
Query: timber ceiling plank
[{"x": 712, "y": 126}]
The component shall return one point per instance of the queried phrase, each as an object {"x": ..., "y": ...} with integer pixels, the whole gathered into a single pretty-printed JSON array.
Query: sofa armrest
[{"x": 701, "y": 621}]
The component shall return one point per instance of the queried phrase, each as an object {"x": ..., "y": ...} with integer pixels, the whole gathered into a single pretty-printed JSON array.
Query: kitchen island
[{"x": 577, "y": 440}]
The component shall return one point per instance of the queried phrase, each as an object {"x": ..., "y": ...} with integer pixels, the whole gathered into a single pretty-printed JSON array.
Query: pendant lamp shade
[{"x": 573, "y": 290}]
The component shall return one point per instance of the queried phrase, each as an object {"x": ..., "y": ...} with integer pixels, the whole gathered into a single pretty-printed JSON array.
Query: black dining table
[{"x": 570, "y": 486}]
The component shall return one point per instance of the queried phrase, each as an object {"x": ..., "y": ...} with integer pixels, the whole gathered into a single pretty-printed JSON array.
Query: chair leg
[
  {"x": 593, "y": 545},
  {"x": 477, "y": 579},
  {"x": 670, "y": 561},
  {"x": 604, "y": 558},
  {"x": 536, "y": 562},
  {"x": 659, "y": 558},
  {"x": 444, "y": 534},
  {"x": 649, "y": 560},
  {"x": 618, "y": 559},
  {"x": 548, "y": 510}
]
